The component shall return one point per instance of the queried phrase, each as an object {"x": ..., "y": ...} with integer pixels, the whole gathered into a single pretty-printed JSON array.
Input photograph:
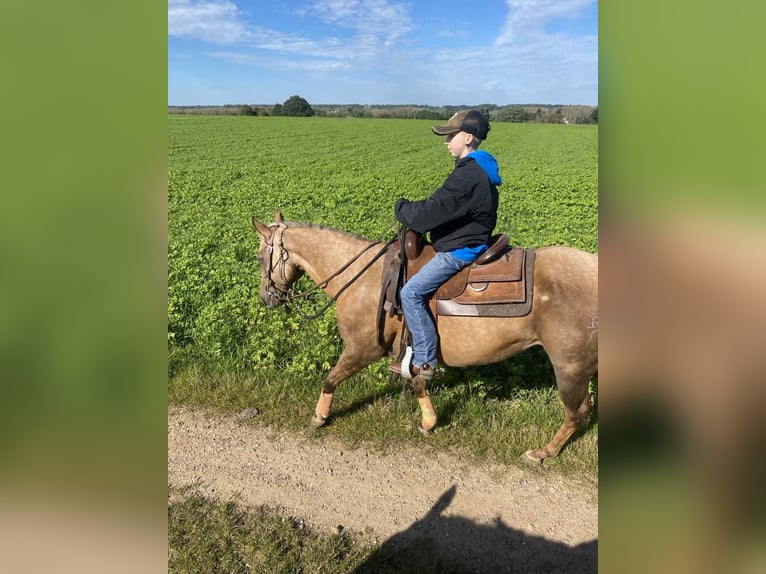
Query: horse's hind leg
[
  {"x": 573, "y": 391},
  {"x": 349, "y": 363}
]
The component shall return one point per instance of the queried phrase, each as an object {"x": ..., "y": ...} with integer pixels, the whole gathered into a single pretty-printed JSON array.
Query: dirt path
[{"x": 505, "y": 519}]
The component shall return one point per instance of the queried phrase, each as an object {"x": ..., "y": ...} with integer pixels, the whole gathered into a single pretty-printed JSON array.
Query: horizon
[{"x": 462, "y": 106}]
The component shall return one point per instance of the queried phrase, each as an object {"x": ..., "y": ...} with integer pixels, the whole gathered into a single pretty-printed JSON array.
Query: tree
[
  {"x": 594, "y": 114},
  {"x": 514, "y": 114},
  {"x": 297, "y": 106},
  {"x": 554, "y": 117},
  {"x": 247, "y": 111},
  {"x": 427, "y": 114}
]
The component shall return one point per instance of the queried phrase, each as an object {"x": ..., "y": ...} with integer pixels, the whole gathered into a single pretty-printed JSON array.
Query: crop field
[{"x": 227, "y": 352}]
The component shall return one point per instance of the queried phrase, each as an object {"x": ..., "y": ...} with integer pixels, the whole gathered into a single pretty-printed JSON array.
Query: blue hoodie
[{"x": 489, "y": 164}]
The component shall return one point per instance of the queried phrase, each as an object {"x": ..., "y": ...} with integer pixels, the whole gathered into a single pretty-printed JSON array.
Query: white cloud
[
  {"x": 283, "y": 64},
  {"x": 374, "y": 25},
  {"x": 534, "y": 60},
  {"x": 335, "y": 10},
  {"x": 526, "y": 19},
  {"x": 215, "y": 21},
  {"x": 377, "y": 18}
]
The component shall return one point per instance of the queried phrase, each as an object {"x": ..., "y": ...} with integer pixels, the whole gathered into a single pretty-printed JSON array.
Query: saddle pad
[{"x": 454, "y": 307}]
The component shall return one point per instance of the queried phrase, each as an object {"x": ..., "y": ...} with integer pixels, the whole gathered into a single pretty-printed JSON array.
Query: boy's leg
[{"x": 413, "y": 296}]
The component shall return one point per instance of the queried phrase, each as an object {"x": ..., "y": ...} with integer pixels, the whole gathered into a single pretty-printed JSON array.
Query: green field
[{"x": 226, "y": 351}]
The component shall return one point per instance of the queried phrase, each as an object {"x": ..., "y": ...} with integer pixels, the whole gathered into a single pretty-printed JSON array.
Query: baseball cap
[{"x": 469, "y": 121}]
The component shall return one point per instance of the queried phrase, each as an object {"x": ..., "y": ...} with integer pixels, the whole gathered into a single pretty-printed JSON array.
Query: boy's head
[{"x": 469, "y": 121}]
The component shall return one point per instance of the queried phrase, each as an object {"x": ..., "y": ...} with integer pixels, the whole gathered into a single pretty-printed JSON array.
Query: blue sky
[{"x": 434, "y": 52}]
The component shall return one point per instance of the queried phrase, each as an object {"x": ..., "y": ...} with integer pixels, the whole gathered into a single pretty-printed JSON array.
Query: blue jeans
[{"x": 415, "y": 307}]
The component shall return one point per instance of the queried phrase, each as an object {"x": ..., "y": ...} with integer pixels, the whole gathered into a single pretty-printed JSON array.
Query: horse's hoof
[
  {"x": 423, "y": 431},
  {"x": 317, "y": 421},
  {"x": 532, "y": 460}
]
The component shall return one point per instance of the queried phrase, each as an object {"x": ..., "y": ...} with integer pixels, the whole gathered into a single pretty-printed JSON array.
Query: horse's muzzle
[{"x": 269, "y": 299}]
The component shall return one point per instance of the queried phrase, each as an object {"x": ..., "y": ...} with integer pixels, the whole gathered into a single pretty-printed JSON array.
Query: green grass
[
  {"x": 207, "y": 537},
  {"x": 226, "y": 352}
]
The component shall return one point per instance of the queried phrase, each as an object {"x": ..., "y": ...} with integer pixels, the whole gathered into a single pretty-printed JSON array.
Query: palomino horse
[{"x": 562, "y": 318}]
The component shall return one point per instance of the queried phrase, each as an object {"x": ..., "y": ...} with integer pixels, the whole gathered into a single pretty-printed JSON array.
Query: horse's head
[{"x": 278, "y": 273}]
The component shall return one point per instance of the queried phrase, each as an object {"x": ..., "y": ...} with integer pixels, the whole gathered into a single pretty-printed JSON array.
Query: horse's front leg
[
  {"x": 350, "y": 362},
  {"x": 427, "y": 411}
]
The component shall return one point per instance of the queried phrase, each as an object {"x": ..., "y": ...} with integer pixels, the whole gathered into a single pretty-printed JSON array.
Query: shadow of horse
[{"x": 451, "y": 544}]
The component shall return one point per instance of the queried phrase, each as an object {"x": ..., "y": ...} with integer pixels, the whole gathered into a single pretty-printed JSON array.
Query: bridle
[
  {"x": 274, "y": 243},
  {"x": 276, "y": 250}
]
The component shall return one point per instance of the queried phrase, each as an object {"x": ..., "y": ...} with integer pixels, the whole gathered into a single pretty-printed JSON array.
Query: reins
[{"x": 289, "y": 296}]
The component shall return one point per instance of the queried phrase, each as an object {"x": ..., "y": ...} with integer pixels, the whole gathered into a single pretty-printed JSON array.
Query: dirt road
[{"x": 484, "y": 517}]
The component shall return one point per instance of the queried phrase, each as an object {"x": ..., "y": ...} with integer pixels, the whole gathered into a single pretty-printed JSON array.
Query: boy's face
[{"x": 457, "y": 144}]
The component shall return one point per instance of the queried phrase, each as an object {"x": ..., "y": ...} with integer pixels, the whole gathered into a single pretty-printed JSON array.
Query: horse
[{"x": 349, "y": 269}]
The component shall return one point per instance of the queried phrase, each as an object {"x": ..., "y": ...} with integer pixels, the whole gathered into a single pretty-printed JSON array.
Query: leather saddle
[{"x": 497, "y": 284}]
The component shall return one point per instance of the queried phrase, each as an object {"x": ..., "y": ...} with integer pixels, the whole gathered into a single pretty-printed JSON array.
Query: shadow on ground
[{"x": 448, "y": 544}]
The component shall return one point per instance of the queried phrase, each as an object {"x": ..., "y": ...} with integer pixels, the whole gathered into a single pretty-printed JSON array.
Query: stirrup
[{"x": 404, "y": 366}]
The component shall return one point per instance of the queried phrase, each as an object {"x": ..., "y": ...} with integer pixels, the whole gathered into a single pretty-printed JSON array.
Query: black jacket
[{"x": 461, "y": 213}]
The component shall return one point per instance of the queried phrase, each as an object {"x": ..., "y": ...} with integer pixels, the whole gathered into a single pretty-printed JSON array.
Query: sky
[{"x": 383, "y": 52}]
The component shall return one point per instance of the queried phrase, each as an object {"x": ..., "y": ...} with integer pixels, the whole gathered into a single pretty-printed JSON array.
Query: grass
[
  {"x": 206, "y": 536},
  {"x": 227, "y": 352},
  {"x": 495, "y": 412}
]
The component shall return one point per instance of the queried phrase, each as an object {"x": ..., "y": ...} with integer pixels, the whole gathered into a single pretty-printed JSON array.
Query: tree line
[{"x": 297, "y": 106}]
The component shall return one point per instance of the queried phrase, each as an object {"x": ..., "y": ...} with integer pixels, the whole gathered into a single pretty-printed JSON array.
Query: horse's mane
[{"x": 324, "y": 228}]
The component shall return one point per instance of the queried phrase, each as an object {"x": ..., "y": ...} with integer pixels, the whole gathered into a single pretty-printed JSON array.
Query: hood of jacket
[{"x": 488, "y": 163}]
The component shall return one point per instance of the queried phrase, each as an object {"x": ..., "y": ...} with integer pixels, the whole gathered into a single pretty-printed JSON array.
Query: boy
[{"x": 460, "y": 216}]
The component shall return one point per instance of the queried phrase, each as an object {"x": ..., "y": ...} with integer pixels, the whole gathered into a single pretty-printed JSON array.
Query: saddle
[{"x": 497, "y": 284}]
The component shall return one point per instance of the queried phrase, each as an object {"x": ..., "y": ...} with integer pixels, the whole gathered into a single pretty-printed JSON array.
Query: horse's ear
[
  {"x": 263, "y": 230},
  {"x": 278, "y": 216}
]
